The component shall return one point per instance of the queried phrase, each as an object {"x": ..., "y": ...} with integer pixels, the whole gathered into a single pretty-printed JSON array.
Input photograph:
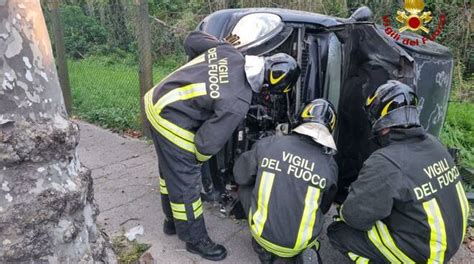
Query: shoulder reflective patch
[{"x": 438, "y": 231}]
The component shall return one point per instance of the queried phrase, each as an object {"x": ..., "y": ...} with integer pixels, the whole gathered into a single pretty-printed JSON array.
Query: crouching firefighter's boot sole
[
  {"x": 207, "y": 249},
  {"x": 168, "y": 227}
]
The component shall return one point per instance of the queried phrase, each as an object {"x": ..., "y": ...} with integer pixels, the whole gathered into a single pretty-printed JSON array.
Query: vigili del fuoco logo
[{"x": 414, "y": 18}]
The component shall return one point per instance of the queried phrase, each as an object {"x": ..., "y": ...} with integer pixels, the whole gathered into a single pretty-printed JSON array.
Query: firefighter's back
[
  {"x": 294, "y": 176},
  {"x": 429, "y": 220}
]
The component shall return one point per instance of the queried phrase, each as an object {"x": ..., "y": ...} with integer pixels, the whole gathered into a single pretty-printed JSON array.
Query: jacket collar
[{"x": 400, "y": 134}]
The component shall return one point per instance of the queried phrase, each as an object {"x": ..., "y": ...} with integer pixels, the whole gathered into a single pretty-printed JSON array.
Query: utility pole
[
  {"x": 60, "y": 49},
  {"x": 145, "y": 71}
]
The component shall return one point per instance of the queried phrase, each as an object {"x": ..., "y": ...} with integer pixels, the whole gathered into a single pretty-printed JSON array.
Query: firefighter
[
  {"x": 287, "y": 182},
  {"x": 408, "y": 204},
  {"x": 192, "y": 113}
]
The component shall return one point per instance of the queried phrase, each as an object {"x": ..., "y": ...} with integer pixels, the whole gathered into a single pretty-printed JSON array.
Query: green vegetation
[
  {"x": 128, "y": 252},
  {"x": 107, "y": 93},
  {"x": 458, "y": 131}
]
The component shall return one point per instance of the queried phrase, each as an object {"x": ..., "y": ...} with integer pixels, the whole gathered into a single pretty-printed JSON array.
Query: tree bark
[
  {"x": 47, "y": 210},
  {"x": 60, "y": 48}
]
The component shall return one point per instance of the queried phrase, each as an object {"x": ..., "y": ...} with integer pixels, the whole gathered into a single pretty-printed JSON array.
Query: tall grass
[{"x": 107, "y": 93}]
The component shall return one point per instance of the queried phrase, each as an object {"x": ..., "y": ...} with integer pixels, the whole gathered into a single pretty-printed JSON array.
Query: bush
[{"x": 82, "y": 34}]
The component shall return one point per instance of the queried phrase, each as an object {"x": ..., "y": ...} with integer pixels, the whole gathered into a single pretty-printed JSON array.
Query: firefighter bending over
[
  {"x": 192, "y": 113},
  {"x": 288, "y": 182},
  {"x": 408, "y": 204}
]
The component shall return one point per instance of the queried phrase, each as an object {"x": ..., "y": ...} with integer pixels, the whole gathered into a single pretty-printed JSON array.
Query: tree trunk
[
  {"x": 47, "y": 210},
  {"x": 145, "y": 71},
  {"x": 61, "y": 59}
]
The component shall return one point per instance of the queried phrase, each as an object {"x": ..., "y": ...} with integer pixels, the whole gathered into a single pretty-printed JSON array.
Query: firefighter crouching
[
  {"x": 408, "y": 204},
  {"x": 288, "y": 182},
  {"x": 192, "y": 113}
]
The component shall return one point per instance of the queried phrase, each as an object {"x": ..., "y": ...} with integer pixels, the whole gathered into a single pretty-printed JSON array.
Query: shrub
[{"x": 82, "y": 34}]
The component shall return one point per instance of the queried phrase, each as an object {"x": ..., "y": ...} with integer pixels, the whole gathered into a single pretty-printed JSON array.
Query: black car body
[{"x": 342, "y": 60}]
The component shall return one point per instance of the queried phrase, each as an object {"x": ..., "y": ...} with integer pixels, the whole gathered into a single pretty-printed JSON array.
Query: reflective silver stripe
[
  {"x": 264, "y": 192},
  {"x": 390, "y": 243},
  {"x": 464, "y": 207},
  {"x": 438, "y": 231},
  {"x": 311, "y": 205}
]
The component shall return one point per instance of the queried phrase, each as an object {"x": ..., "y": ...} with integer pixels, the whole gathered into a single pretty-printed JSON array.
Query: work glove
[{"x": 232, "y": 39}]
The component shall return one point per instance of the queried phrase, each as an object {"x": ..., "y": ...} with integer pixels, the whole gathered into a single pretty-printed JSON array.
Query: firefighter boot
[
  {"x": 207, "y": 249},
  {"x": 168, "y": 227}
]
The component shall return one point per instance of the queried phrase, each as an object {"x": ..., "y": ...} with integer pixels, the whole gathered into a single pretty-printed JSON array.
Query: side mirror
[{"x": 362, "y": 13}]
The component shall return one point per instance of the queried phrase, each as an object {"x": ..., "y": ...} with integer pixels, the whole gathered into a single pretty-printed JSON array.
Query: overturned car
[{"x": 342, "y": 60}]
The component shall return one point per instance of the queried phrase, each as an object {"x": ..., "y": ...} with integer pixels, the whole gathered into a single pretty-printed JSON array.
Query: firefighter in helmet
[
  {"x": 288, "y": 182},
  {"x": 408, "y": 204},
  {"x": 193, "y": 112}
]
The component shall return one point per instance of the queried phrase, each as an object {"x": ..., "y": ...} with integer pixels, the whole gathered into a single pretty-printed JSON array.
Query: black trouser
[
  {"x": 180, "y": 187},
  {"x": 354, "y": 244}
]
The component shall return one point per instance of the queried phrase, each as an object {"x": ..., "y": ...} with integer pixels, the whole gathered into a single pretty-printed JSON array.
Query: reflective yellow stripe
[
  {"x": 305, "y": 230},
  {"x": 178, "y": 207},
  {"x": 273, "y": 248},
  {"x": 163, "y": 189},
  {"x": 358, "y": 259},
  {"x": 390, "y": 243},
  {"x": 151, "y": 116},
  {"x": 180, "y": 216},
  {"x": 264, "y": 192},
  {"x": 175, "y": 134},
  {"x": 375, "y": 238},
  {"x": 197, "y": 60},
  {"x": 179, "y": 94},
  {"x": 197, "y": 208},
  {"x": 438, "y": 231},
  {"x": 179, "y": 211},
  {"x": 202, "y": 157},
  {"x": 464, "y": 207}
]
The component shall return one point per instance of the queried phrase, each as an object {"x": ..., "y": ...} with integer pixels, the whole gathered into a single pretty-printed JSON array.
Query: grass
[
  {"x": 107, "y": 93},
  {"x": 458, "y": 131}
]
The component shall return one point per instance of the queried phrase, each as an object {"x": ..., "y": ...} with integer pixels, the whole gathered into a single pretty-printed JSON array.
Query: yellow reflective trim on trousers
[
  {"x": 264, "y": 192},
  {"x": 464, "y": 207},
  {"x": 438, "y": 231},
  {"x": 390, "y": 243},
  {"x": 163, "y": 189},
  {"x": 179, "y": 211},
  {"x": 197, "y": 208},
  {"x": 178, "y": 207},
  {"x": 305, "y": 230},
  {"x": 178, "y": 141},
  {"x": 358, "y": 259},
  {"x": 180, "y": 216},
  {"x": 375, "y": 238}
]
